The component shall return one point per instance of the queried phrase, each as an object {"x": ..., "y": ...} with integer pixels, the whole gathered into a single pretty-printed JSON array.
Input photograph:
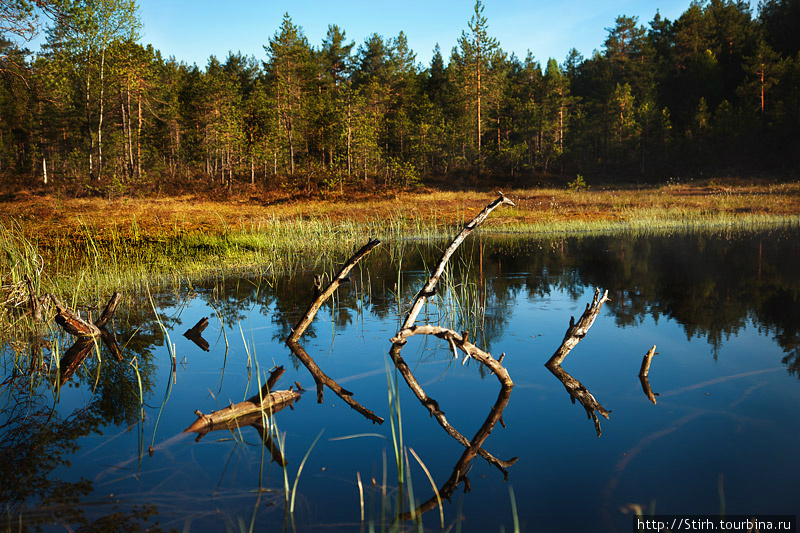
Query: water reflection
[{"x": 709, "y": 287}]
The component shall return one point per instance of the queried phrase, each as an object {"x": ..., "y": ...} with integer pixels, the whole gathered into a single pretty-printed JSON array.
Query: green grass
[{"x": 86, "y": 265}]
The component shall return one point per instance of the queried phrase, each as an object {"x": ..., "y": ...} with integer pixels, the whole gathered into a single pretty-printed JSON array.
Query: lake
[{"x": 719, "y": 434}]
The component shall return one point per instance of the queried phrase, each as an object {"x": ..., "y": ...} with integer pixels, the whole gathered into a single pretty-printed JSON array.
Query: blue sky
[{"x": 193, "y": 30}]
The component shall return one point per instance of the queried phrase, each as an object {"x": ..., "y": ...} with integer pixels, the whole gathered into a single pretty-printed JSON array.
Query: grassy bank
[{"x": 82, "y": 250}]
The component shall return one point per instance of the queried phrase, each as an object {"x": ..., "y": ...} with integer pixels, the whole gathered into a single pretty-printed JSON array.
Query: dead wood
[
  {"x": 323, "y": 380},
  {"x": 459, "y": 341},
  {"x": 577, "y": 331},
  {"x": 243, "y": 413},
  {"x": 430, "y": 287},
  {"x": 648, "y": 358},
  {"x": 407, "y": 330},
  {"x": 195, "y": 334},
  {"x": 73, "y": 323},
  {"x": 84, "y": 329},
  {"x": 323, "y": 295},
  {"x": 578, "y": 392},
  {"x": 110, "y": 309},
  {"x": 643, "y": 373}
]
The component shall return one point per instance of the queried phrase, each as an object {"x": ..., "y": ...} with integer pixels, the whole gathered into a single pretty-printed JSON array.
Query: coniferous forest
[{"x": 716, "y": 91}]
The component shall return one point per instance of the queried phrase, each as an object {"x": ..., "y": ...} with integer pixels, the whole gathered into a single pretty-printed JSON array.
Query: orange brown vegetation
[{"x": 44, "y": 215}]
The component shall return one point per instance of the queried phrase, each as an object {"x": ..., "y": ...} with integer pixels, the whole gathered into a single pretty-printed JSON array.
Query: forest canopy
[{"x": 717, "y": 90}]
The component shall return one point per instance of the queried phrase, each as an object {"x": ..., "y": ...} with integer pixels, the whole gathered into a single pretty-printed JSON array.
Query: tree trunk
[{"x": 100, "y": 120}]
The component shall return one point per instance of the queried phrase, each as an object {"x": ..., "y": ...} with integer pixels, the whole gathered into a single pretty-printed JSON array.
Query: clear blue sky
[{"x": 193, "y": 30}]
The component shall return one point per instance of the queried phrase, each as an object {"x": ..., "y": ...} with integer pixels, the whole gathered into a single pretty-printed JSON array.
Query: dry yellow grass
[{"x": 44, "y": 216}]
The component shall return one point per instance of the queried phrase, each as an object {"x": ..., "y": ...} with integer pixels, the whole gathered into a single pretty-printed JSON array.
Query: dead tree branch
[
  {"x": 453, "y": 338},
  {"x": 322, "y": 297},
  {"x": 320, "y": 378},
  {"x": 577, "y": 331},
  {"x": 429, "y": 288}
]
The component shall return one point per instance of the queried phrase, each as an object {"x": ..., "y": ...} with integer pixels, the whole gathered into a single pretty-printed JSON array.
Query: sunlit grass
[{"x": 82, "y": 250}]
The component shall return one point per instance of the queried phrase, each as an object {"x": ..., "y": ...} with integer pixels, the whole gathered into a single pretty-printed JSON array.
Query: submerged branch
[
  {"x": 429, "y": 288},
  {"x": 323, "y": 295},
  {"x": 577, "y": 331},
  {"x": 408, "y": 329}
]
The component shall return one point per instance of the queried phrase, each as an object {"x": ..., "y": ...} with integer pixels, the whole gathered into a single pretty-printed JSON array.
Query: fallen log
[
  {"x": 73, "y": 323},
  {"x": 248, "y": 412},
  {"x": 242, "y": 413},
  {"x": 86, "y": 333}
]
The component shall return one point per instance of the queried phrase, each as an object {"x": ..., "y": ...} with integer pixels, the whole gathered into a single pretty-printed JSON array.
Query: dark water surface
[{"x": 723, "y": 437}]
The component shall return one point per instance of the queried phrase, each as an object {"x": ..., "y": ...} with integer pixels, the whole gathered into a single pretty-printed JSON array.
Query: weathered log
[
  {"x": 323, "y": 295},
  {"x": 73, "y": 323},
  {"x": 243, "y": 413},
  {"x": 195, "y": 334},
  {"x": 577, "y": 331},
  {"x": 578, "y": 392}
]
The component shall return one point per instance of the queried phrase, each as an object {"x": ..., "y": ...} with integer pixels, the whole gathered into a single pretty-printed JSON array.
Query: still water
[{"x": 722, "y": 438}]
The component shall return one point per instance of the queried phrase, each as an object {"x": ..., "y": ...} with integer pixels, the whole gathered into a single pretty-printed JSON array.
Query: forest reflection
[{"x": 712, "y": 285}]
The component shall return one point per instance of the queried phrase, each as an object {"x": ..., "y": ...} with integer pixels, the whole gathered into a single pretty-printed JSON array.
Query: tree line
[{"x": 717, "y": 90}]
